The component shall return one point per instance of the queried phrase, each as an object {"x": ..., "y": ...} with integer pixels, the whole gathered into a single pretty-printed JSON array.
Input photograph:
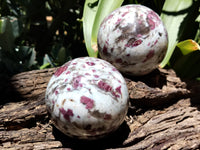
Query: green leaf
[
  {"x": 47, "y": 62},
  {"x": 197, "y": 37},
  {"x": 94, "y": 12},
  {"x": 185, "y": 59},
  {"x": 9, "y": 31},
  {"x": 188, "y": 46},
  {"x": 179, "y": 18},
  {"x": 187, "y": 66},
  {"x": 62, "y": 56},
  {"x": 45, "y": 66},
  {"x": 89, "y": 12},
  {"x": 27, "y": 55},
  {"x": 31, "y": 59}
]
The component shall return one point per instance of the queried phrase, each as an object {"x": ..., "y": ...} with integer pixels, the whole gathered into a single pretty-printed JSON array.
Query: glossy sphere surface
[
  {"x": 87, "y": 98},
  {"x": 133, "y": 39}
]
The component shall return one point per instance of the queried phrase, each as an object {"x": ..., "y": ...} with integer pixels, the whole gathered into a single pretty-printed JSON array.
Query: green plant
[
  {"x": 13, "y": 57},
  {"x": 43, "y": 34},
  {"x": 180, "y": 18}
]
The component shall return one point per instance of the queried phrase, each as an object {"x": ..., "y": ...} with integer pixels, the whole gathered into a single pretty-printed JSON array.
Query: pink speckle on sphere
[
  {"x": 56, "y": 92},
  {"x": 118, "y": 89},
  {"x": 90, "y": 63},
  {"x": 105, "y": 49},
  {"x": 68, "y": 72},
  {"x": 124, "y": 14},
  {"x": 96, "y": 76},
  {"x": 151, "y": 24},
  {"x": 118, "y": 21},
  {"x": 134, "y": 43},
  {"x": 88, "y": 102},
  {"x": 76, "y": 82},
  {"x": 107, "y": 116},
  {"x": 61, "y": 70},
  {"x": 67, "y": 114},
  {"x": 149, "y": 55},
  {"x": 104, "y": 86}
]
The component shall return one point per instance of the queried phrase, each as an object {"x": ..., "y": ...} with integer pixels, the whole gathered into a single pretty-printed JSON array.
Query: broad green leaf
[
  {"x": 187, "y": 66},
  {"x": 185, "y": 59},
  {"x": 198, "y": 18},
  {"x": 89, "y": 12},
  {"x": 62, "y": 56},
  {"x": 197, "y": 37},
  {"x": 9, "y": 30},
  {"x": 188, "y": 46},
  {"x": 179, "y": 17},
  {"x": 94, "y": 12},
  {"x": 2, "y": 25}
]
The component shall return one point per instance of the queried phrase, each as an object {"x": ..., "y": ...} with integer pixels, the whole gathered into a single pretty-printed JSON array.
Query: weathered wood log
[{"x": 164, "y": 114}]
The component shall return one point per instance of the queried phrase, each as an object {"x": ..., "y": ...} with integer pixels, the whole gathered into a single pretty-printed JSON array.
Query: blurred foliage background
[{"x": 38, "y": 34}]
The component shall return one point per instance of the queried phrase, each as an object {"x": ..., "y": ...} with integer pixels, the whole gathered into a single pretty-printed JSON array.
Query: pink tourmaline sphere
[
  {"x": 133, "y": 39},
  {"x": 87, "y": 98}
]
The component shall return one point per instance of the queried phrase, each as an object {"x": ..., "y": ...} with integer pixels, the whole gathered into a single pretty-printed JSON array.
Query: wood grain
[{"x": 164, "y": 113}]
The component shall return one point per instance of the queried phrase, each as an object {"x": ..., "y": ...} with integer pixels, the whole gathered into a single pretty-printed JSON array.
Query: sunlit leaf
[
  {"x": 94, "y": 12},
  {"x": 45, "y": 66},
  {"x": 188, "y": 46},
  {"x": 90, "y": 9},
  {"x": 179, "y": 16}
]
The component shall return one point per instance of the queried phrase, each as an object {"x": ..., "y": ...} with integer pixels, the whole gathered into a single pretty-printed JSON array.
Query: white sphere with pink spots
[
  {"x": 87, "y": 98},
  {"x": 133, "y": 39}
]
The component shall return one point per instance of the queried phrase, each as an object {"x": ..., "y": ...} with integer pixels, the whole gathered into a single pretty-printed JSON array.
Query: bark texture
[{"x": 164, "y": 113}]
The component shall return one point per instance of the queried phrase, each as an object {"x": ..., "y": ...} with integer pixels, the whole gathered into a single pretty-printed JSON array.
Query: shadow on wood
[{"x": 114, "y": 140}]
